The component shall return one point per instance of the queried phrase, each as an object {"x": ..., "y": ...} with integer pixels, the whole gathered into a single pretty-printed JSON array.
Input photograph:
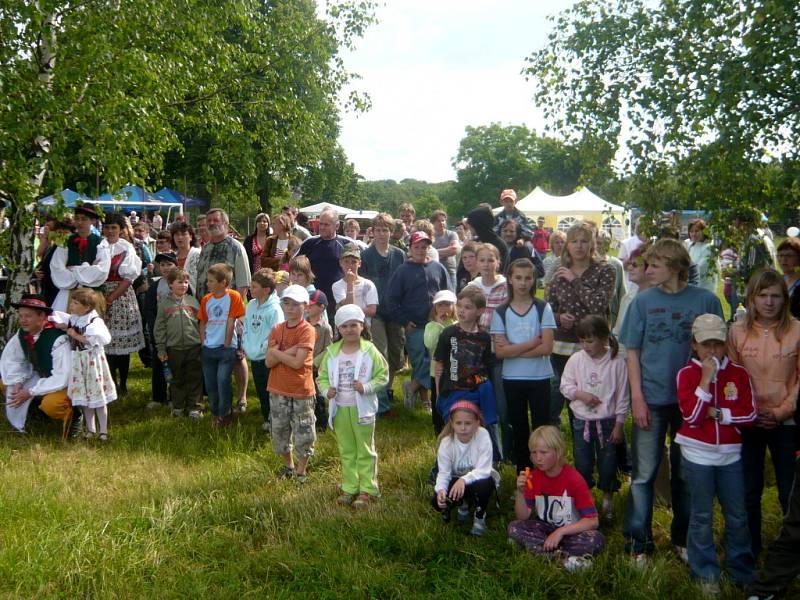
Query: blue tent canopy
[
  {"x": 67, "y": 196},
  {"x": 170, "y": 195}
]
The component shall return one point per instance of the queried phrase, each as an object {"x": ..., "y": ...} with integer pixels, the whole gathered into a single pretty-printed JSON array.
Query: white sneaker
[
  {"x": 153, "y": 405},
  {"x": 177, "y": 412},
  {"x": 266, "y": 426},
  {"x": 478, "y": 527},
  {"x": 577, "y": 563},
  {"x": 640, "y": 561},
  {"x": 463, "y": 512},
  {"x": 241, "y": 406},
  {"x": 682, "y": 553},
  {"x": 196, "y": 413}
]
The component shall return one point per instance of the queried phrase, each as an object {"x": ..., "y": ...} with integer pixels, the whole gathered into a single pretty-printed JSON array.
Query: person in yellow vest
[{"x": 35, "y": 364}]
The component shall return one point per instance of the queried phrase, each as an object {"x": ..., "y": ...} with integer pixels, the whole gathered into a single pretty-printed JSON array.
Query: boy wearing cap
[
  {"x": 716, "y": 399},
  {"x": 36, "y": 364},
  {"x": 409, "y": 299},
  {"x": 508, "y": 200},
  {"x": 353, "y": 289},
  {"x": 263, "y": 312},
  {"x": 291, "y": 384}
]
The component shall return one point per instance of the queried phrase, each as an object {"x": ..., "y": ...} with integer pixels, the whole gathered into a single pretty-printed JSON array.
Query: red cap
[{"x": 420, "y": 235}]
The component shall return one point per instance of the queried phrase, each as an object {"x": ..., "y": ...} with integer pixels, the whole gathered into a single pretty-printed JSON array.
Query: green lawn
[{"x": 169, "y": 508}]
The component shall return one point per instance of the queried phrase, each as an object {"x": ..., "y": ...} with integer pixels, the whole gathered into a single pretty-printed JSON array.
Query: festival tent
[
  {"x": 134, "y": 197},
  {"x": 169, "y": 195},
  {"x": 560, "y": 212},
  {"x": 67, "y": 196},
  {"x": 315, "y": 209}
]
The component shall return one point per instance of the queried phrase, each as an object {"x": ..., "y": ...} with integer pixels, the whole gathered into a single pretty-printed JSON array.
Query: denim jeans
[
  {"x": 726, "y": 483},
  {"x": 418, "y": 356},
  {"x": 218, "y": 366},
  {"x": 585, "y": 453},
  {"x": 647, "y": 448},
  {"x": 781, "y": 443},
  {"x": 260, "y": 373}
]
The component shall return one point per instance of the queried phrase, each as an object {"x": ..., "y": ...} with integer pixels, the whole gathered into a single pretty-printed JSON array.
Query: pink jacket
[
  {"x": 606, "y": 378},
  {"x": 772, "y": 365}
]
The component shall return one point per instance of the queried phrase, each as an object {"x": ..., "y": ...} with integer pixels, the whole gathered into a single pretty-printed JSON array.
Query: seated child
[
  {"x": 465, "y": 467},
  {"x": 715, "y": 398},
  {"x": 554, "y": 506}
]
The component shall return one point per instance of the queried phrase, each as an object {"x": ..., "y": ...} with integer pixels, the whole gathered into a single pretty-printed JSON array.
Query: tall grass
[{"x": 170, "y": 508}]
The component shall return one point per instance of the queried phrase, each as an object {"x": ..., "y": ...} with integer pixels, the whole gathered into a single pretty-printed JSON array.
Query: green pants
[{"x": 357, "y": 452}]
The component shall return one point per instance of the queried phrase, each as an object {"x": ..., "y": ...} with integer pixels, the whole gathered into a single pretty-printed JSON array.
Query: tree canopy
[{"x": 682, "y": 84}]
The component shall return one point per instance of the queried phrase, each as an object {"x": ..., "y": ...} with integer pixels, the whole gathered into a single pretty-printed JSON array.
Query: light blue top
[
  {"x": 521, "y": 328},
  {"x": 659, "y": 325}
]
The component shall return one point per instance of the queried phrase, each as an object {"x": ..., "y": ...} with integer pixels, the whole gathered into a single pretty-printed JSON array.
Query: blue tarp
[
  {"x": 68, "y": 196},
  {"x": 170, "y": 195}
]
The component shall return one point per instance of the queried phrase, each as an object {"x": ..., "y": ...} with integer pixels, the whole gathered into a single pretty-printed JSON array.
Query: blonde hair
[
  {"x": 577, "y": 229},
  {"x": 91, "y": 299},
  {"x": 674, "y": 254},
  {"x": 550, "y": 437},
  {"x": 447, "y": 430},
  {"x": 759, "y": 281}
]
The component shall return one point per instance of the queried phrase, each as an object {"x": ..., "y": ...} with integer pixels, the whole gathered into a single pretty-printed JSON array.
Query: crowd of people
[{"x": 325, "y": 323}]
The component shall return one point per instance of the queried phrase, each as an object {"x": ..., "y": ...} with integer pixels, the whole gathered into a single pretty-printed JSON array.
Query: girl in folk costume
[
  {"x": 122, "y": 315},
  {"x": 84, "y": 261},
  {"x": 90, "y": 384}
]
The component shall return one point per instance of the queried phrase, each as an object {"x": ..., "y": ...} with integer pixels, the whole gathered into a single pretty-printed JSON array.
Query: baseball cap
[
  {"x": 444, "y": 296},
  {"x": 348, "y": 312},
  {"x": 166, "y": 256},
  {"x": 509, "y": 193},
  {"x": 351, "y": 250},
  {"x": 295, "y": 292},
  {"x": 709, "y": 327},
  {"x": 420, "y": 235},
  {"x": 318, "y": 297}
]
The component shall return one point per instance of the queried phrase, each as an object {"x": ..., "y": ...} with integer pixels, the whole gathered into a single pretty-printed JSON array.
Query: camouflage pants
[{"x": 292, "y": 424}]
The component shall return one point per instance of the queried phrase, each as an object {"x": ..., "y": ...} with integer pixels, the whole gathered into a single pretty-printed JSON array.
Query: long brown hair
[{"x": 760, "y": 280}]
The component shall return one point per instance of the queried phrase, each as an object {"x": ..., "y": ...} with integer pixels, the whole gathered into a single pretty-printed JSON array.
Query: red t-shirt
[
  {"x": 560, "y": 500},
  {"x": 295, "y": 383}
]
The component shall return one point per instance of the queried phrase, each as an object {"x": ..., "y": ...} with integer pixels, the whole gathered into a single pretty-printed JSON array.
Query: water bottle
[
  {"x": 167, "y": 372},
  {"x": 741, "y": 313}
]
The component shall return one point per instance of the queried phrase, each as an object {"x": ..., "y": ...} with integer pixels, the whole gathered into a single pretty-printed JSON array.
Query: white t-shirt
[
  {"x": 364, "y": 294},
  {"x": 346, "y": 366}
]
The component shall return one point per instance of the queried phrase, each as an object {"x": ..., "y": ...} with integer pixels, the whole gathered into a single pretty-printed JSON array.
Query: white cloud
[{"x": 432, "y": 68}]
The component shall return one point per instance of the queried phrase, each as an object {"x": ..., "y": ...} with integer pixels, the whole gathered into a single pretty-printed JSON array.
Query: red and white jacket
[{"x": 731, "y": 392}]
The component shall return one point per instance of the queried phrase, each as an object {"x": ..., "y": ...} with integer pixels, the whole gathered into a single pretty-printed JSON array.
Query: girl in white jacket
[
  {"x": 351, "y": 372},
  {"x": 465, "y": 466}
]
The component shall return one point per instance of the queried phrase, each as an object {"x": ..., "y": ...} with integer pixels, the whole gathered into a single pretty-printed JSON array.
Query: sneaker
[
  {"x": 241, "y": 406},
  {"x": 285, "y": 472},
  {"x": 196, "y": 413},
  {"x": 266, "y": 427},
  {"x": 426, "y": 406},
  {"x": 478, "y": 527},
  {"x": 762, "y": 597},
  {"x": 345, "y": 499},
  {"x": 89, "y": 435},
  {"x": 103, "y": 437},
  {"x": 576, "y": 563},
  {"x": 177, "y": 412},
  {"x": 640, "y": 560},
  {"x": 153, "y": 405},
  {"x": 463, "y": 513},
  {"x": 409, "y": 396},
  {"x": 682, "y": 553},
  {"x": 300, "y": 477},
  {"x": 362, "y": 501}
]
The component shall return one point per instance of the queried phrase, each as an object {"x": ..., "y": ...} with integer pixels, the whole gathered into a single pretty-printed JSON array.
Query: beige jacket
[{"x": 773, "y": 366}]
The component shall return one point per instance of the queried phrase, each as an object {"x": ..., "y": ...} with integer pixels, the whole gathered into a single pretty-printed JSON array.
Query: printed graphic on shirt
[
  {"x": 466, "y": 364},
  {"x": 556, "y": 510},
  {"x": 731, "y": 393},
  {"x": 675, "y": 326}
]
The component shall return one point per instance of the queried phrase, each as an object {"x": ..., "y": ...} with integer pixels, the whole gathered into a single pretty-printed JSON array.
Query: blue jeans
[
  {"x": 418, "y": 356},
  {"x": 727, "y": 483},
  {"x": 585, "y": 452},
  {"x": 781, "y": 443},
  {"x": 647, "y": 448},
  {"x": 218, "y": 366}
]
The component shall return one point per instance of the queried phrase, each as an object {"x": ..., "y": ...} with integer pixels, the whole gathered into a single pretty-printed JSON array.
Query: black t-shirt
[{"x": 467, "y": 358}]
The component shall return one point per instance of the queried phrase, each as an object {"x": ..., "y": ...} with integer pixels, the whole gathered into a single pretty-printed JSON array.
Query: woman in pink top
[{"x": 767, "y": 344}]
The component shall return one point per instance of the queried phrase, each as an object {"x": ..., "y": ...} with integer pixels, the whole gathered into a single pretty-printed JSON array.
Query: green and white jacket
[{"x": 367, "y": 403}]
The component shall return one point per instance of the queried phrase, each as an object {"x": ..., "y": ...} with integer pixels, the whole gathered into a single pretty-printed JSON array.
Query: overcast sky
[{"x": 432, "y": 67}]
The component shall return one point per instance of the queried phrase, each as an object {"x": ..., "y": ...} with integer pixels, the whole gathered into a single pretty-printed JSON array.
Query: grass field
[{"x": 171, "y": 508}]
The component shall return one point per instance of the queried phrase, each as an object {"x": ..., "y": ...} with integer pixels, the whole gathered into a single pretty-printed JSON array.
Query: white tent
[
  {"x": 560, "y": 212},
  {"x": 315, "y": 209}
]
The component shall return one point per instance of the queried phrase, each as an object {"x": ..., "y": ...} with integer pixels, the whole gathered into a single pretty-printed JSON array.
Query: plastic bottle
[
  {"x": 741, "y": 313},
  {"x": 167, "y": 372}
]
